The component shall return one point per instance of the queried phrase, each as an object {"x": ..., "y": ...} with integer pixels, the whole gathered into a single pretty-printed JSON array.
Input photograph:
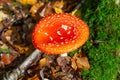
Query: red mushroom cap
[{"x": 60, "y": 33}]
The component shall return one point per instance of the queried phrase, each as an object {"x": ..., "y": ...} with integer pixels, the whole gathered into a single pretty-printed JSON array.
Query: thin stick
[
  {"x": 19, "y": 71},
  {"x": 77, "y": 7}
]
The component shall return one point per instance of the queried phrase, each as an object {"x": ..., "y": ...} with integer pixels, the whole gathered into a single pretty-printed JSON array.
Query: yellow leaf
[
  {"x": 21, "y": 49},
  {"x": 43, "y": 62},
  {"x": 30, "y": 2},
  {"x": 58, "y": 10}
]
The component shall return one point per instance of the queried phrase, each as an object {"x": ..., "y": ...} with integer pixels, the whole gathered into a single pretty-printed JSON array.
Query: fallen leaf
[
  {"x": 59, "y": 4},
  {"x": 3, "y": 36},
  {"x": 4, "y": 1},
  {"x": 30, "y": 2},
  {"x": 7, "y": 58},
  {"x": 43, "y": 62},
  {"x": 3, "y": 46},
  {"x": 2, "y": 16},
  {"x": 80, "y": 62},
  {"x": 21, "y": 49},
  {"x": 83, "y": 63},
  {"x": 48, "y": 9},
  {"x": 34, "y": 9},
  {"x": 74, "y": 65},
  {"x": 58, "y": 10},
  {"x": 35, "y": 77}
]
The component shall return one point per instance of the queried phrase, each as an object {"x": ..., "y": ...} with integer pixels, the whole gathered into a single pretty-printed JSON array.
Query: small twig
[
  {"x": 96, "y": 41},
  {"x": 19, "y": 71},
  {"x": 77, "y": 7},
  {"x": 42, "y": 74}
]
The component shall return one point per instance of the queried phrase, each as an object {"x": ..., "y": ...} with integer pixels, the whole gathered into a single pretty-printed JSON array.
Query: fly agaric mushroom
[
  {"x": 60, "y": 33},
  {"x": 54, "y": 34}
]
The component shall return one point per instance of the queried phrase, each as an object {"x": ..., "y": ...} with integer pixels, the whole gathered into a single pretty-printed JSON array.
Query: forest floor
[{"x": 97, "y": 59}]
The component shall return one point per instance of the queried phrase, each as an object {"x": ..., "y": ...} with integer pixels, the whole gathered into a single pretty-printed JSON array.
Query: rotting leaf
[
  {"x": 7, "y": 58},
  {"x": 80, "y": 62}
]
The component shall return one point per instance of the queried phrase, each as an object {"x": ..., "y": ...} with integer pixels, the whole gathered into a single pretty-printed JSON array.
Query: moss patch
[{"x": 103, "y": 46}]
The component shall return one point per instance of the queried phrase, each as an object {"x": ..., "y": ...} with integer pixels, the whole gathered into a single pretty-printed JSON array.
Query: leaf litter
[{"x": 15, "y": 36}]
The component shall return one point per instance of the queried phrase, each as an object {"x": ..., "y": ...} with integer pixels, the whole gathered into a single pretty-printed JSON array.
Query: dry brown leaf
[
  {"x": 80, "y": 62},
  {"x": 59, "y": 4},
  {"x": 35, "y": 77},
  {"x": 55, "y": 72},
  {"x": 83, "y": 63},
  {"x": 6, "y": 36},
  {"x": 21, "y": 49},
  {"x": 34, "y": 9},
  {"x": 74, "y": 65}
]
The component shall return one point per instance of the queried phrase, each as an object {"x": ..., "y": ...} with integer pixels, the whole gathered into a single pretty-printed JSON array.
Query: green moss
[{"x": 103, "y": 18}]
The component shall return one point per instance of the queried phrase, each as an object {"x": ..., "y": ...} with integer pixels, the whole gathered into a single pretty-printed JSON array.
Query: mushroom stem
[
  {"x": 64, "y": 54},
  {"x": 19, "y": 71}
]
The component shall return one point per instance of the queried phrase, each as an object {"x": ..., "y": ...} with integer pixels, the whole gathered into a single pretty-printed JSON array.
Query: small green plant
[
  {"x": 4, "y": 51},
  {"x": 103, "y": 18}
]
